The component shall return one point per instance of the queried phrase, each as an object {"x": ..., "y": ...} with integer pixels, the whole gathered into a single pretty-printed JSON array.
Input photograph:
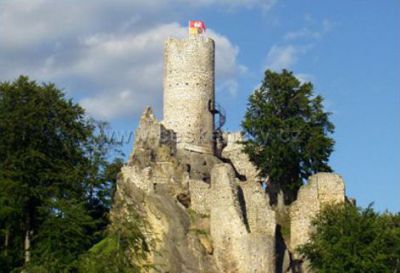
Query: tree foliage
[
  {"x": 56, "y": 180},
  {"x": 123, "y": 250},
  {"x": 354, "y": 240},
  {"x": 288, "y": 131}
]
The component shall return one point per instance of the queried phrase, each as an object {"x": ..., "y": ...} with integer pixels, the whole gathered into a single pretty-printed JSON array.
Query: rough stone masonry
[{"x": 208, "y": 213}]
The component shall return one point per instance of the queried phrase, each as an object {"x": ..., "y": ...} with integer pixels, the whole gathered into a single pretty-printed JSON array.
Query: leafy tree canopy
[
  {"x": 354, "y": 240},
  {"x": 55, "y": 178},
  {"x": 287, "y": 131}
]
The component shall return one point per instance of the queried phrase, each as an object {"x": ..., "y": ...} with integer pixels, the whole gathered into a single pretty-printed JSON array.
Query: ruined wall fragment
[
  {"x": 321, "y": 189},
  {"x": 236, "y": 249},
  {"x": 234, "y": 152}
]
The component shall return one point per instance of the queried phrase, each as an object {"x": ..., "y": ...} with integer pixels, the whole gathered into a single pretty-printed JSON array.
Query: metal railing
[{"x": 219, "y": 115}]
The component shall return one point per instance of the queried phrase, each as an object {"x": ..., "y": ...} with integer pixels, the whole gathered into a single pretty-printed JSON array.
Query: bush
[{"x": 354, "y": 240}]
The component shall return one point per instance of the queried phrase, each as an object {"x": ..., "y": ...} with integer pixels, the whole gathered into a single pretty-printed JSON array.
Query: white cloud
[
  {"x": 265, "y": 4},
  {"x": 110, "y": 104},
  {"x": 34, "y": 22},
  {"x": 297, "y": 43},
  {"x": 129, "y": 67},
  {"x": 107, "y": 54},
  {"x": 225, "y": 55},
  {"x": 327, "y": 25},
  {"x": 304, "y": 77},
  {"x": 229, "y": 85},
  {"x": 302, "y": 33},
  {"x": 311, "y": 31},
  {"x": 280, "y": 57}
]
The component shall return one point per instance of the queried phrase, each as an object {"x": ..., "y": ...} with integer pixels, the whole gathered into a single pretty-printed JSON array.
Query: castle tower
[{"x": 189, "y": 77}]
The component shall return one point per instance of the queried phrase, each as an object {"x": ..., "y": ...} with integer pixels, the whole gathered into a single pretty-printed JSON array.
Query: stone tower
[{"x": 189, "y": 77}]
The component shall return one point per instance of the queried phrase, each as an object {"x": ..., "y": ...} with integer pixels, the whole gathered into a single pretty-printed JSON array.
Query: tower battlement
[{"x": 189, "y": 79}]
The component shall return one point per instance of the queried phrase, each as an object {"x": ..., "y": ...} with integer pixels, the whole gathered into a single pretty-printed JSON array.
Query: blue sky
[{"x": 107, "y": 55}]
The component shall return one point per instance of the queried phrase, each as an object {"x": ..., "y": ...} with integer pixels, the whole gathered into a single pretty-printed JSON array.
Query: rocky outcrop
[
  {"x": 205, "y": 214},
  {"x": 234, "y": 153},
  {"x": 155, "y": 184},
  {"x": 321, "y": 189},
  {"x": 260, "y": 215},
  {"x": 237, "y": 248}
]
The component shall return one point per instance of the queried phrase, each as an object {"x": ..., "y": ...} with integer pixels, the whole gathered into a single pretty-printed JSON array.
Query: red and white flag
[{"x": 196, "y": 24}]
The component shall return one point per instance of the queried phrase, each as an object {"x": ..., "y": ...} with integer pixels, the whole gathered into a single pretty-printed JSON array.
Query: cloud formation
[
  {"x": 106, "y": 54},
  {"x": 131, "y": 66},
  {"x": 308, "y": 33},
  {"x": 286, "y": 54},
  {"x": 280, "y": 57}
]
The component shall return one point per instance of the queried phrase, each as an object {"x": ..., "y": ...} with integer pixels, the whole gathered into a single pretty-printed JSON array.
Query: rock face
[
  {"x": 322, "y": 189},
  {"x": 199, "y": 195},
  {"x": 233, "y": 152},
  {"x": 207, "y": 214},
  {"x": 151, "y": 182},
  {"x": 239, "y": 247}
]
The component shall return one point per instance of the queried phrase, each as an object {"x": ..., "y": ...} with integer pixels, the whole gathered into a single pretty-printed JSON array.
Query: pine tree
[{"x": 287, "y": 132}]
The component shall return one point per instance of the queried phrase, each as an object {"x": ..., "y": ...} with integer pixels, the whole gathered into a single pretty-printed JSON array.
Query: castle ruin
[
  {"x": 189, "y": 77},
  {"x": 205, "y": 210}
]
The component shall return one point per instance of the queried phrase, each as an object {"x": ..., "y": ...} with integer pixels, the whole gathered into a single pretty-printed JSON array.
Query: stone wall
[
  {"x": 136, "y": 176},
  {"x": 199, "y": 196},
  {"x": 260, "y": 215},
  {"x": 152, "y": 163},
  {"x": 227, "y": 238},
  {"x": 152, "y": 133},
  {"x": 189, "y": 90},
  {"x": 321, "y": 189},
  {"x": 241, "y": 231},
  {"x": 234, "y": 152},
  {"x": 205, "y": 213},
  {"x": 236, "y": 248}
]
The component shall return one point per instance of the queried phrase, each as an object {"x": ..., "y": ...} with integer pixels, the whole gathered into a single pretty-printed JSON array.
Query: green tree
[
  {"x": 354, "y": 240},
  {"x": 123, "y": 250},
  {"x": 55, "y": 178},
  {"x": 100, "y": 174},
  {"x": 287, "y": 132}
]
